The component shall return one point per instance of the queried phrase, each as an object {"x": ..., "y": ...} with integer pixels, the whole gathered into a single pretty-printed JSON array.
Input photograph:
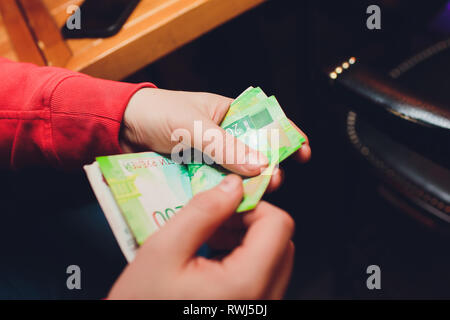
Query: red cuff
[{"x": 86, "y": 116}]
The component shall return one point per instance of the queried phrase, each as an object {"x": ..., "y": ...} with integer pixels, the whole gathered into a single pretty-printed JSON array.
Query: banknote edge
[{"x": 111, "y": 211}]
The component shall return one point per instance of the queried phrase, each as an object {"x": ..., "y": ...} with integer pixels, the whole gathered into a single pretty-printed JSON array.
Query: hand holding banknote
[
  {"x": 259, "y": 267},
  {"x": 153, "y": 115}
]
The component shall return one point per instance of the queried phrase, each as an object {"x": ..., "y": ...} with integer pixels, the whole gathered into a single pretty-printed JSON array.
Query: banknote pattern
[
  {"x": 148, "y": 188},
  {"x": 260, "y": 123}
]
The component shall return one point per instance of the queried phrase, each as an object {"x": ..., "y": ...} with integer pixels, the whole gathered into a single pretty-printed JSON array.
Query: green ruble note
[
  {"x": 259, "y": 122},
  {"x": 148, "y": 188}
]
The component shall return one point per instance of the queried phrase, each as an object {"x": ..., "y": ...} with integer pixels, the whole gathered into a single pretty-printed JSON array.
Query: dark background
[{"x": 52, "y": 219}]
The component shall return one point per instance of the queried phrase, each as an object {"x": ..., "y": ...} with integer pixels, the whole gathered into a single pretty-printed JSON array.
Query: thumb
[
  {"x": 183, "y": 235},
  {"x": 230, "y": 152}
]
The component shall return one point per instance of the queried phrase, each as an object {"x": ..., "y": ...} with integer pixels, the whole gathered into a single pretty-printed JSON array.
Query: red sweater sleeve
[{"x": 53, "y": 116}]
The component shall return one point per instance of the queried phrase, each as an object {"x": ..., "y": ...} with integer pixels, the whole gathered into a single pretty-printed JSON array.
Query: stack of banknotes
[{"x": 140, "y": 192}]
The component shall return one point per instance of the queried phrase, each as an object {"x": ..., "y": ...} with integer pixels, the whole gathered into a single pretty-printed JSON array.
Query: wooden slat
[
  {"x": 20, "y": 36},
  {"x": 46, "y": 32},
  {"x": 155, "y": 28},
  {"x": 6, "y": 48}
]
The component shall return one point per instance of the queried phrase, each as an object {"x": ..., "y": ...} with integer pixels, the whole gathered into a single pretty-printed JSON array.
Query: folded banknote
[
  {"x": 110, "y": 208},
  {"x": 260, "y": 123},
  {"x": 140, "y": 192},
  {"x": 149, "y": 189}
]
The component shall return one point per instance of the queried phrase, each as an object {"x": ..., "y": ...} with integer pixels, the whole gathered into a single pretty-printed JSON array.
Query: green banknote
[
  {"x": 148, "y": 188},
  {"x": 259, "y": 122},
  {"x": 144, "y": 190}
]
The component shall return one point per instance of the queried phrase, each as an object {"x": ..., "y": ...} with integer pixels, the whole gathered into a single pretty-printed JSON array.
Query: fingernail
[
  {"x": 229, "y": 183},
  {"x": 255, "y": 159}
]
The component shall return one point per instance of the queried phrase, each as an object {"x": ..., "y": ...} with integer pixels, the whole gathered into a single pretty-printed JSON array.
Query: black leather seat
[{"x": 400, "y": 123}]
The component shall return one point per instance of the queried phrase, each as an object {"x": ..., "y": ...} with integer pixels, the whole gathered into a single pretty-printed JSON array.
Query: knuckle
[
  {"x": 220, "y": 108},
  {"x": 280, "y": 217},
  {"x": 225, "y": 103},
  {"x": 287, "y": 221}
]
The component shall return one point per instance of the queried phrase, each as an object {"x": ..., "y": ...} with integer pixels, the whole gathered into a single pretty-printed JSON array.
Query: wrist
[{"x": 128, "y": 137}]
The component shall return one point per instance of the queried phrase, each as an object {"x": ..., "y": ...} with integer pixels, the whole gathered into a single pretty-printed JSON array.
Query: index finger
[
  {"x": 269, "y": 233},
  {"x": 304, "y": 154}
]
